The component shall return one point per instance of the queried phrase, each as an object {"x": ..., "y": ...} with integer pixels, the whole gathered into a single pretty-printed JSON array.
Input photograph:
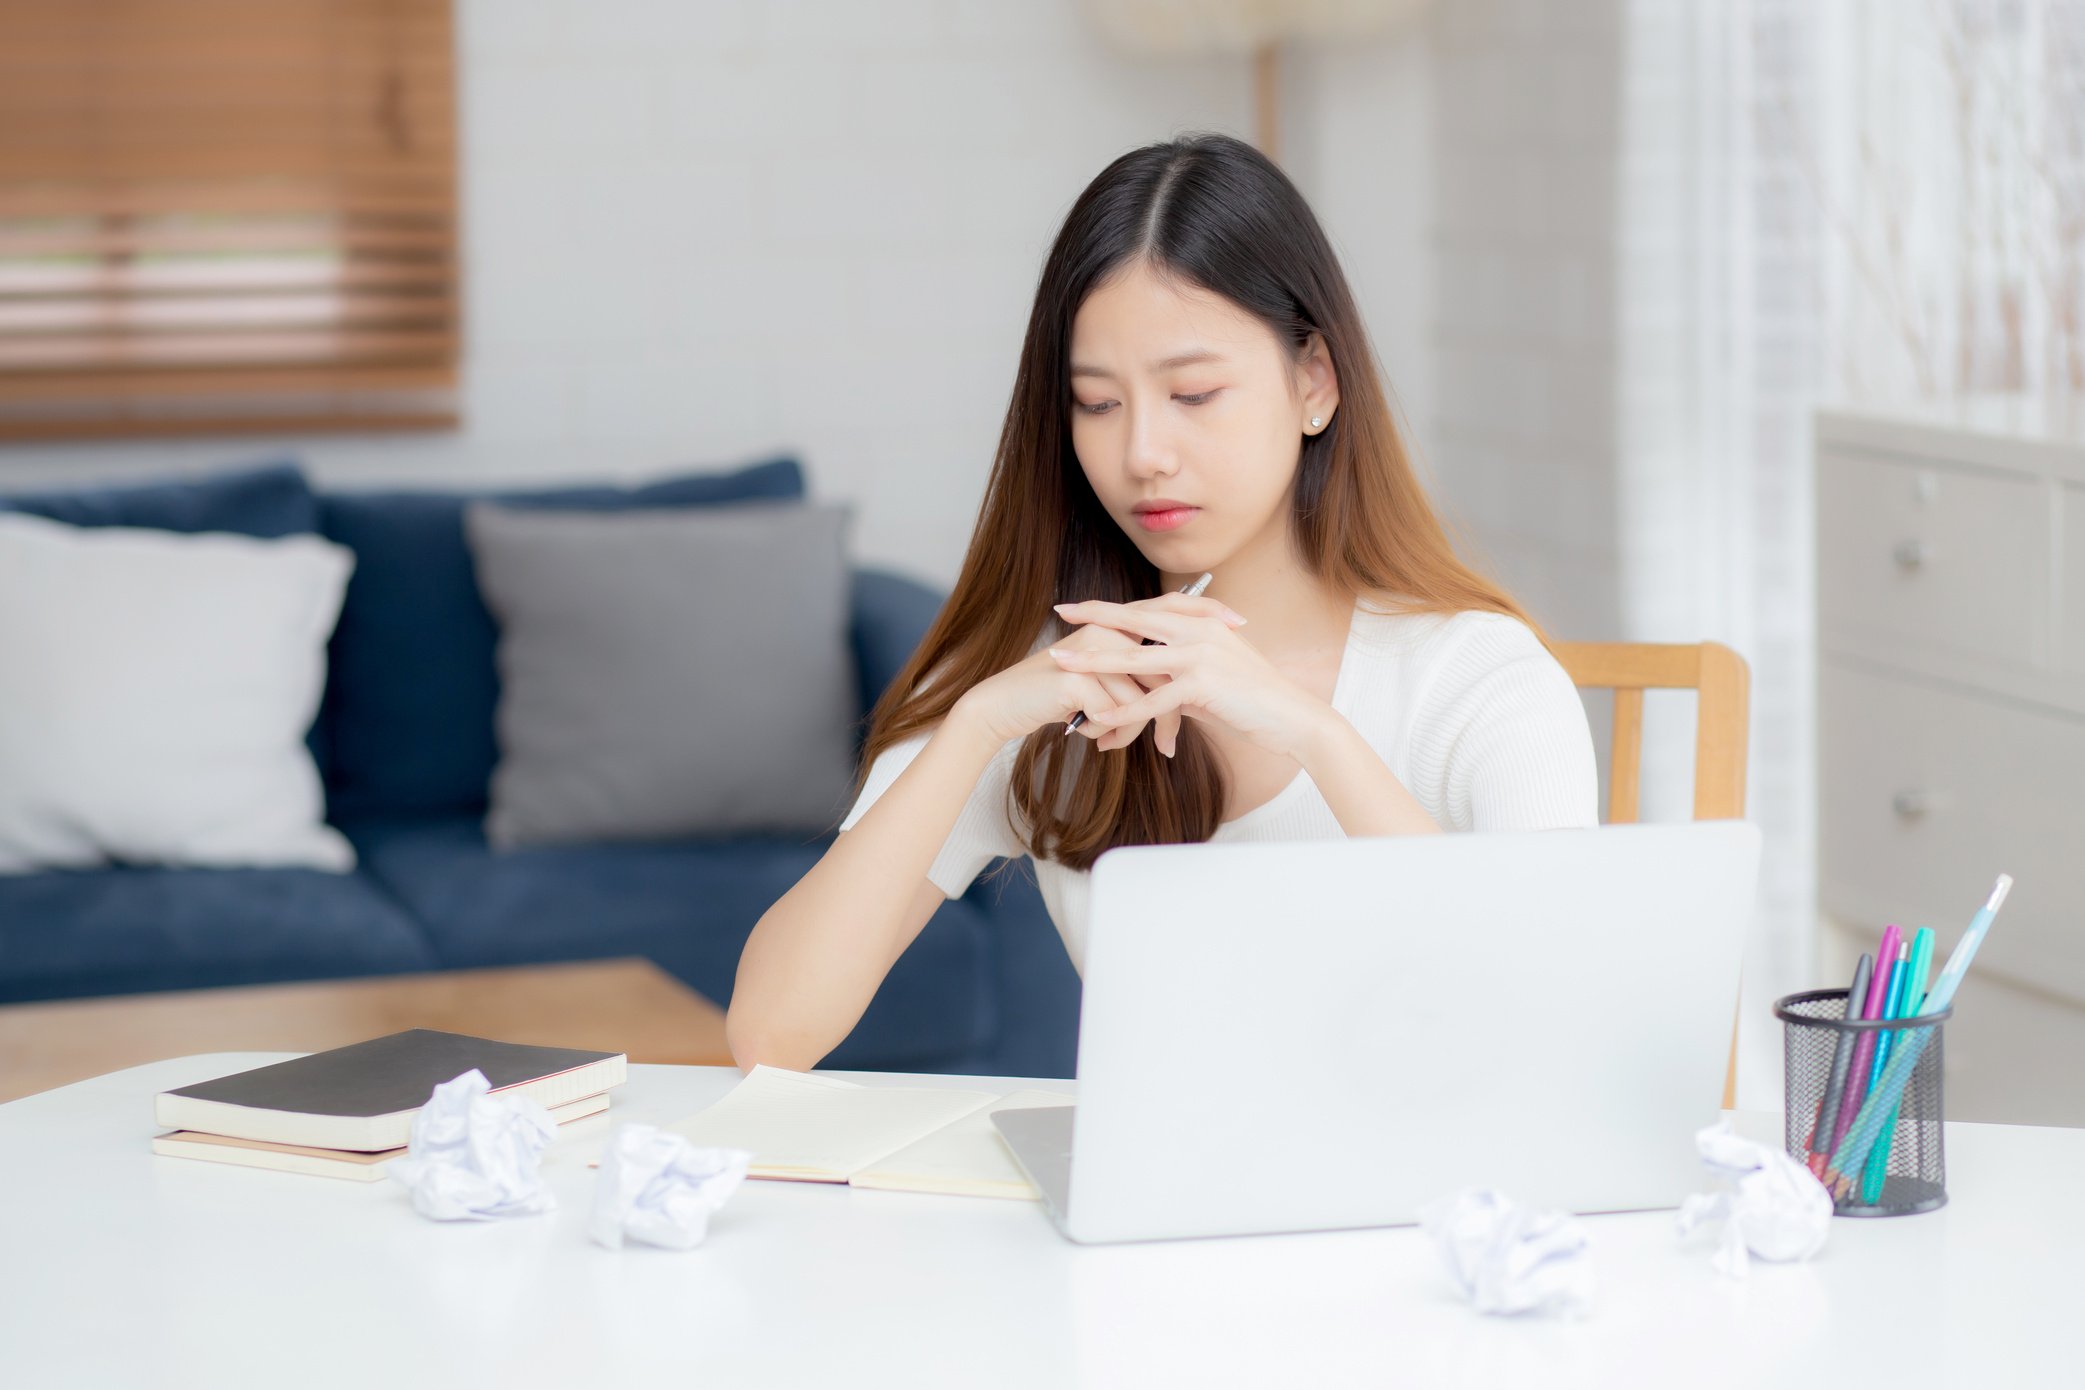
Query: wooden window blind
[{"x": 226, "y": 216}]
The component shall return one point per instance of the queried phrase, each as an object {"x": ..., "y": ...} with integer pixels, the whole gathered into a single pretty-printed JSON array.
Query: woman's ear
[{"x": 1320, "y": 382}]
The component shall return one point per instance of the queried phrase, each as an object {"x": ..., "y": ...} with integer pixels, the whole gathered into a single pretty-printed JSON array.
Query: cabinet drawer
[
  {"x": 1935, "y": 561},
  {"x": 1926, "y": 796}
]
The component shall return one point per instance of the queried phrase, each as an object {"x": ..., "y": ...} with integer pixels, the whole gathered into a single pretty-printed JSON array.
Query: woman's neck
[{"x": 1289, "y": 610}]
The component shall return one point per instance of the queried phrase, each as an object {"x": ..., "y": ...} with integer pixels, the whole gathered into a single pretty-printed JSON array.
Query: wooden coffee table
[{"x": 627, "y": 1005}]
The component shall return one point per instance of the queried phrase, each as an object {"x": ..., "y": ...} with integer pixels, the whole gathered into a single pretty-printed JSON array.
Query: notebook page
[
  {"x": 820, "y": 1128},
  {"x": 967, "y": 1159}
]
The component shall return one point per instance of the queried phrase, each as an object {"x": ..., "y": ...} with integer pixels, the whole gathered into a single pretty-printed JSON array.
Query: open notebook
[{"x": 913, "y": 1139}]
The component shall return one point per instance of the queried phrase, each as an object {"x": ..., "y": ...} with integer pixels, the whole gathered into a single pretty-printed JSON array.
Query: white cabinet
[{"x": 1951, "y": 724}]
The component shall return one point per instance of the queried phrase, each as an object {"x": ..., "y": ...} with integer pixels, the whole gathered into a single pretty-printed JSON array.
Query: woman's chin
[
  {"x": 1191, "y": 561},
  {"x": 1185, "y": 550}
]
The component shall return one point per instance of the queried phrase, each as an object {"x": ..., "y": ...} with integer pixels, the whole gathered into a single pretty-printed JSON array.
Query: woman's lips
[{"x": 1170, "y": 519}]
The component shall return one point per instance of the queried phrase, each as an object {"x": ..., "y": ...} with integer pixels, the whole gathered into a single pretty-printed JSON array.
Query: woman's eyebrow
[{"x": 1178, "y": 359}]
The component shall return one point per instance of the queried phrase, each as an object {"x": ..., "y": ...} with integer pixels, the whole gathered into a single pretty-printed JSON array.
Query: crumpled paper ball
[
  {"x": 658, "y": 1187},
  {"x": 1507, "y": 1258},
  {"x": 1773, "y": 1206},
  {"x": 474, "y": 1156}
]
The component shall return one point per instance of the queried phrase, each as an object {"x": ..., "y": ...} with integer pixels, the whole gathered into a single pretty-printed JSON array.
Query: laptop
[{"x": 1316, "y": 1035}]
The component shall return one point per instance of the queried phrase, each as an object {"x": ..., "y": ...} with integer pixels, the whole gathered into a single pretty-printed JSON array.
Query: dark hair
[{"x": 1206, "y": 210}]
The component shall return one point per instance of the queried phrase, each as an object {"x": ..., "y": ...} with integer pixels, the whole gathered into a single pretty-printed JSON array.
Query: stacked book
[{"x": 346, "y": 1112}]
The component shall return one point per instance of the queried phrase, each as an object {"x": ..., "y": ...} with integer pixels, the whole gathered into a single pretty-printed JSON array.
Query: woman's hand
[
  {"x": 1038, "y": 691},
  {"x": 1203, "y": 669}
]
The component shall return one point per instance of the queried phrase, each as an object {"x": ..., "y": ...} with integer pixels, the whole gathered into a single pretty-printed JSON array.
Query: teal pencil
[{"x": 1878, "y": 1165}]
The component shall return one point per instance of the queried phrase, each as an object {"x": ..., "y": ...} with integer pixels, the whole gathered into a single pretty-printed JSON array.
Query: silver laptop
[{"x": 1295, "y": 1036}]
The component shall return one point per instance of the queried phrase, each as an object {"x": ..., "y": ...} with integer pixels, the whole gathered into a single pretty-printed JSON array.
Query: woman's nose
[{"x": 1149, "y": 448}]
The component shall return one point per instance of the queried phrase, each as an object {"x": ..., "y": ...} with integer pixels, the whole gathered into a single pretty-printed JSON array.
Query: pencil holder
[{"x": 1905, "y": 1168}]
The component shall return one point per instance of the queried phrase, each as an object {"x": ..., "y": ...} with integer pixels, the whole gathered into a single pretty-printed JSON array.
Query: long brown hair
[{"x": 1211, "y": 211}]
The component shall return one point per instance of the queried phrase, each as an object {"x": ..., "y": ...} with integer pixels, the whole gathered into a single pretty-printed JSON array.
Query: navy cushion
[
  {"x": 891, "y": 613},
  {"x": 265, "y": 500},
  {"x": 122, "y": 930},
  {"x": 687, "y": 905},
  {"x": 409, "y": 705}
]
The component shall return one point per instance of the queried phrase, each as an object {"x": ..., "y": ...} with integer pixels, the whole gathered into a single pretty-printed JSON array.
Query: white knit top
[{"x": 1469, "y": 710}]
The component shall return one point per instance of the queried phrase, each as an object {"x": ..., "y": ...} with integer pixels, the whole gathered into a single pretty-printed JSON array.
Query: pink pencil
[{"x": 1878, "y": 991}]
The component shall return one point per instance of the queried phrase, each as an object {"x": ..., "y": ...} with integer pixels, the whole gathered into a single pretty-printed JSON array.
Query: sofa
[{"x": 404, "y": 743}]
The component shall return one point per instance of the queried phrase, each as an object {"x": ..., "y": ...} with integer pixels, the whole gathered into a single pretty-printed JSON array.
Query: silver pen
[{"x": 1192, "y": 591}]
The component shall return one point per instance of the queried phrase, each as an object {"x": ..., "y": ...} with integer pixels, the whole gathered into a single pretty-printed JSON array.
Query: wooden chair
[{"x": 1722, "y": 684}]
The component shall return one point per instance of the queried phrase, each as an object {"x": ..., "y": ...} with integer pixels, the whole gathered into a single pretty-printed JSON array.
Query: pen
[
  {"x": 1853, "y": 1149},
  {"x": 1864, "y": 1045},
  {"x": 1191, "y": 591},
  {"x": 1842, "y": 1062},
  {"x": 1878, "y": 1167}
]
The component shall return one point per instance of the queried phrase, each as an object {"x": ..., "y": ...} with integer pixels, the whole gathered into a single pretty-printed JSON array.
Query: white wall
[
  {"x": 698, "y": 233},
  {"x": 1524, "y": 337},
  {"x": 1359, "y": 141}
]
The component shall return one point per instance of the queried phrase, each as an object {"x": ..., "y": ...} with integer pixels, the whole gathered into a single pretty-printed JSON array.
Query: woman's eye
[{"x": 1102, "y": 408}]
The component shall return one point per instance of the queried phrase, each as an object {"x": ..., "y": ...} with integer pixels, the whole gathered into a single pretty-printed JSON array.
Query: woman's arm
[
  {"x": 1206, "y": 666},
  {"x": 1501, "y": 731},
  {"x": 1358, "y": 785},
  {"x": 816, "y": 958}
]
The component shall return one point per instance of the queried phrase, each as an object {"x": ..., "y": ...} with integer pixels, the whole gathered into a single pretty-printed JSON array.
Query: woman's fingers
[
  {"x": 1153, "y": 705},
  {"x": 1168, "y": 732},
  {"x": 1101, "y": 694},
  {"x": 1153, "y": 661},
  {"x": 1168, "y": 618},
  {"x": 1199, "y": 606},
  {"x": 1124, "y": 689},
  {"x": 1120, "y": 690}
]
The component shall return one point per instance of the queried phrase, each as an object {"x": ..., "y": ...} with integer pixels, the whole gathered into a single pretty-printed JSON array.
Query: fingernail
[
  {"x": 1059, "y": 652},
  {"x": 1237, "y": 619},
  {"x": 1060, "y": 607}
]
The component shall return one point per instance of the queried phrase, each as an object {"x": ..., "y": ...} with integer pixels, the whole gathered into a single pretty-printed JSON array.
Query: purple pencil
[{"x": 1878, "y": 990}]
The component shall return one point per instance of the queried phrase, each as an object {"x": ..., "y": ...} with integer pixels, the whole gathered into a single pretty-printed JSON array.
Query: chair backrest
[{"x": 1722, "y": 683}]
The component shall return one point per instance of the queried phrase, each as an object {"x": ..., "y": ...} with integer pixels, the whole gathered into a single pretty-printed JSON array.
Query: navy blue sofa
[{"x": 404, "y": 741}]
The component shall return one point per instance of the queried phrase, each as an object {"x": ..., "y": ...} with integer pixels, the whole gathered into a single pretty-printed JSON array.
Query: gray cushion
[{"x": 668, "y": 673}]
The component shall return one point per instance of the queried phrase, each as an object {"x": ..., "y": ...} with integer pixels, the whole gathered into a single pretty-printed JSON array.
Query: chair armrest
[
  {"x": 1038, "y": 990},
  {"x": 890, "y": 614}
]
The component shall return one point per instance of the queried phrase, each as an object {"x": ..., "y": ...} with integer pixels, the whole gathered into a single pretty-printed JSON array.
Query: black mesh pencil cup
[{"x": 1905, "y": 1168}]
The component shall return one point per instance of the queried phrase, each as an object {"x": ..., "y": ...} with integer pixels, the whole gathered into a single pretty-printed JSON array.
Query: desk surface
[{"x": 119, "y": 1267}]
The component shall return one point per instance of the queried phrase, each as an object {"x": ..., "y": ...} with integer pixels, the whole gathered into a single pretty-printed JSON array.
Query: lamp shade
[{"x": 1241, "y": 26}]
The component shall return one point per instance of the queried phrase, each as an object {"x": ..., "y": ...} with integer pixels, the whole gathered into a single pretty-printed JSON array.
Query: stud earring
[{"x": 1315, "y": 422}]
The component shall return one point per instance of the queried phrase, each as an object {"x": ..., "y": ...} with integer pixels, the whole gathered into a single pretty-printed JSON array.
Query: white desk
[{"x": 122, "y": 1268}]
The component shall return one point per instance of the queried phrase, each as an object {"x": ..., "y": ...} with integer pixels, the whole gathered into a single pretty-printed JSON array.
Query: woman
[{"x": 1195, "y": 394}]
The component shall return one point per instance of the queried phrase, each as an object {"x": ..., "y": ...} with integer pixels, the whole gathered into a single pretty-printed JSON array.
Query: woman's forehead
[{"x": 1137, "y": 322}]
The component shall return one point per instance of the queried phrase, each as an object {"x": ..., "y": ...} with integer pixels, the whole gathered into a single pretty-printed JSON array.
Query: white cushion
[{"x": 155, "y": 691}]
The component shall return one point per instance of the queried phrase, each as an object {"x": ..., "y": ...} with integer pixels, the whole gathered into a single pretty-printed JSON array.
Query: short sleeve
[
  {"x": 1506, "y": 733},
  {"x": 982, "y": 832}
]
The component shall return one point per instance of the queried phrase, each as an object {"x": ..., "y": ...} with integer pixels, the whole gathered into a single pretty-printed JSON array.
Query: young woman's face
[{"x": 1222, "y": 434}]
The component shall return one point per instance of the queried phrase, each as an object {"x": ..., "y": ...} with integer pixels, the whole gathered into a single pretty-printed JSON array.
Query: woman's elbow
[
  {"x": 742, "y": 1036},
  {"x": 754, "y": 1045}
]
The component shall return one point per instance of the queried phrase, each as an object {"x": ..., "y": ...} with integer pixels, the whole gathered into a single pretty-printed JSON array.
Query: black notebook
[{"x": 363, "y": 1096}]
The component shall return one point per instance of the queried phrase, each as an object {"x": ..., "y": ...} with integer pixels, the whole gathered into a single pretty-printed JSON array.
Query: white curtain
[
  {"x": 1951, "y": 177},
  {"x": 1822, "y": 201}
]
